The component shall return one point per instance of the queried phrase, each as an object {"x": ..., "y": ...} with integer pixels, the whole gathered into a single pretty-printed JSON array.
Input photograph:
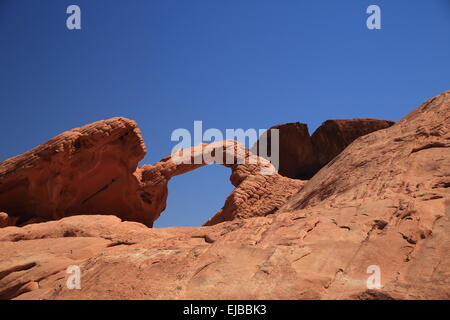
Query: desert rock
[
  {"x": 296, "y": 151},
  {"x": 93, "y": 170},
  {"x": 333, "y": 136},
  {"x": 302, "y": 155},
  {"x": 82, "y": 171},
  {"x": 381, "y": 204},
  {"x": 6, "y": 220}
]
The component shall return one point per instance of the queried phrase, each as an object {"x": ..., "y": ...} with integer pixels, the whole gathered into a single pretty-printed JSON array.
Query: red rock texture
[
  {"x": 302, "y": 155},
  {"x": 333, "y": 136},
  {"x": 82, "y": 171},
  {"x": 6, "y": 220},
  {"x": 384, "y": 201},
  {"x": 297, "y": 156}
]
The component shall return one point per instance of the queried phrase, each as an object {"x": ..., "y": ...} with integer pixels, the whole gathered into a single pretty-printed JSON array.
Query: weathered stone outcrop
[
  {"x": 381, "y": 204},
  {"x": 82, "y": 171},
  {"x": 302, "y": 155},
  {"x": 93, "y": 170},
  {"x": 297, "y": 155},
  {"x": 333, "y": 136}
]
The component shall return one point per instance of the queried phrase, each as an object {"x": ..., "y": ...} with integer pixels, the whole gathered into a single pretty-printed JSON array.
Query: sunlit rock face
[
  {"x": 82, "y": 171},
  {"x": 381, "y": 206}
]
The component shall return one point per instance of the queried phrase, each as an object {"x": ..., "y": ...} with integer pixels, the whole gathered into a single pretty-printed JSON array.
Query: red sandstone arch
[{"x": 93, "y": 170}]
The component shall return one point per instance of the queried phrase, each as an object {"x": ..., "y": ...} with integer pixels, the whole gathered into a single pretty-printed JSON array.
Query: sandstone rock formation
[
  {"x": 333, "y": 136},
  {"x": 382, "y": 203},
  {"x": 93, "y": 170},
  {"x": 302, "y": 155},
  {"x": 82, "y": 171},
  {"x": 259, "y": 191},
  {"x": 298, "y": 158}
]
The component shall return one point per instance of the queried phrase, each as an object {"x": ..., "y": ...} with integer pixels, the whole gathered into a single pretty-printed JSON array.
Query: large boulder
[{"x": 82, "y": 171}]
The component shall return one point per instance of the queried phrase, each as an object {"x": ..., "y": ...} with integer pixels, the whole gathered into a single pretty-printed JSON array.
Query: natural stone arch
[{"x": 259, "y": 189}]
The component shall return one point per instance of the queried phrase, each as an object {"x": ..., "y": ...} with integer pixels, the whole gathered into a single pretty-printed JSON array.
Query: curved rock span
[
  {"x": 259, "y": 191},
  {"x": 382, "y": 204}
]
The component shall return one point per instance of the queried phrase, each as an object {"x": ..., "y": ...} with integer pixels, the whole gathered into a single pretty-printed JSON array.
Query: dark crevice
[
  {"x": 205, "y": 237},
  {"x": 120, "y": 243},
  {"x": 99, "y": 191},
  {"x": 429, "y": 146},
  {"x": 17, "y": 268}
]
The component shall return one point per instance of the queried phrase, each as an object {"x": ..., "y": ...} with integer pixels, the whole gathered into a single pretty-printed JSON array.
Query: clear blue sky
[{"x": 229, "y": 63}]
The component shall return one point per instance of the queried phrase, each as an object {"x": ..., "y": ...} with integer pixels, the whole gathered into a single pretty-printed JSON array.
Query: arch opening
[{"x": 195, "y": 196}]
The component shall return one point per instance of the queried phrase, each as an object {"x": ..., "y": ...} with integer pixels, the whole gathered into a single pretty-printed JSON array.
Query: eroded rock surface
[
  {"x": 82, "y": 171},
  {"x": 383, "y": 202}
]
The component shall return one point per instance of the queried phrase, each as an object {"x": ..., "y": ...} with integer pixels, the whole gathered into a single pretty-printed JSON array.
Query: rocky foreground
[{"x": 380, "y": 198}]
